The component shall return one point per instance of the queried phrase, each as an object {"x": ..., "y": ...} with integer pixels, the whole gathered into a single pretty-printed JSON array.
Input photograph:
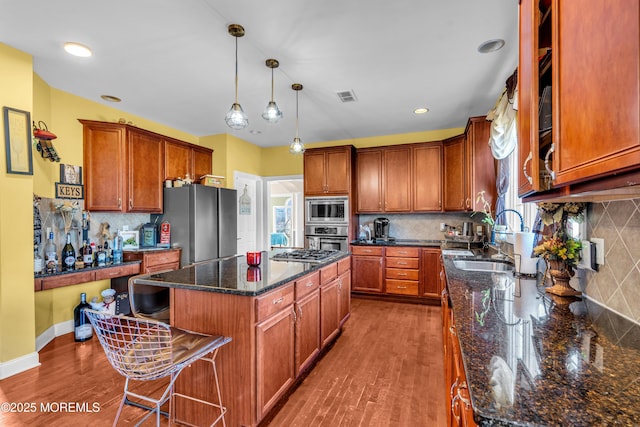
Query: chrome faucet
[{"x": 493, "y": 234}]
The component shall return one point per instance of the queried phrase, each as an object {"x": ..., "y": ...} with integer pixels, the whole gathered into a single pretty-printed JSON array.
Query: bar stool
[{"x": 143, "y": 349}]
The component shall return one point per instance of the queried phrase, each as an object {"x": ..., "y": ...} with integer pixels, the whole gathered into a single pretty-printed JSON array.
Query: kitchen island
[
  {"x": 280, "y": 315},
  {"x": 519, "y": 356}
]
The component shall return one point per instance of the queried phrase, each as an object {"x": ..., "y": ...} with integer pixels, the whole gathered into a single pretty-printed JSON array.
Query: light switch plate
[{"x": 599, "y": 250}]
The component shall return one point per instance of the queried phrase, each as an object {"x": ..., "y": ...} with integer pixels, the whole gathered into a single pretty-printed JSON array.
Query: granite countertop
[
  {"x": 233, "y": 275},
  {"x": 534, "y": 359},
  {"x": 398, "y": 242}
]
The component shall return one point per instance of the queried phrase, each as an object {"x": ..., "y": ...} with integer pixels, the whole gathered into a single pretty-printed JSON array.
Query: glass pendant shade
[
  {"x": 296, "y": 147},
  {"x": 272, "y": 113},
  {"x": 236, "y": 118}
]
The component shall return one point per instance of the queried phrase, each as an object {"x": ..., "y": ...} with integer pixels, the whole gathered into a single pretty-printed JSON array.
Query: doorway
[{"x": 285, "y": 211}]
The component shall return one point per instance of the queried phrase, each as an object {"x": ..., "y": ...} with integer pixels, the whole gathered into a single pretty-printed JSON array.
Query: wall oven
[
  {"x": 327, "y": 237},
  {"x": 326, "y": 210}
]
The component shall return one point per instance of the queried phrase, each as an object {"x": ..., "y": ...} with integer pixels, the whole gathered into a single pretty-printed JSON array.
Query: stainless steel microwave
[{"x": 323, "y": 210}]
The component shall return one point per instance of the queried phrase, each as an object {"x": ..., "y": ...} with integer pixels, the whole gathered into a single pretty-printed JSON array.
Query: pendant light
[
  {"x": 296, "y": 147},
  {"x": 236, "y": 117},
  {"x": 272, "y": 113}
]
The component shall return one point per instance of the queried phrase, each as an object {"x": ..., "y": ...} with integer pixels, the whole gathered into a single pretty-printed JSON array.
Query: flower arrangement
[
  {"x": 560, "y": 248},
  {"x": 559, "y": 213}
]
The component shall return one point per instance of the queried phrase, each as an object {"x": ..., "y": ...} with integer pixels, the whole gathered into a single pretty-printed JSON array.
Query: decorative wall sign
[
  {"x": 245, "y": 202},
  {"x": 70, "y": 174},
  {"x": 69, "y": 191},
  {"x": 18, "y": 141}
]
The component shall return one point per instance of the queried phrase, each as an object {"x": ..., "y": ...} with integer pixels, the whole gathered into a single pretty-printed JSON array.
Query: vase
[{"x": 561, "y": 274}]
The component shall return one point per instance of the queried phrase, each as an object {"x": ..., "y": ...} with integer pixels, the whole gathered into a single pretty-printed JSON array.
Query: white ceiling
[{"x": 172, "y": 61}]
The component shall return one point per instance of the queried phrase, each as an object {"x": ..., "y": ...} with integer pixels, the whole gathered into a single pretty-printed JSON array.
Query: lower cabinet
[
  {"x": 402, "y": 270},
  {"x": 431, "y": 265},
  {"x": 155, "y": 261},
  {"x": 344, "y": 296},
  {"x": 329, "y": 304},
  {"x": 307, "y": 329},
  {"x": 367, "y": 269}
]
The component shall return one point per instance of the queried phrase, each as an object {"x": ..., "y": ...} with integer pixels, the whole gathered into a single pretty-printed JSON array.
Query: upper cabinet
[
  {"x": 182, "y": 160},
  {"x": 480, "y": 163},
  {"x": 402, "y": 178},
  {"x": 454, "y": 173},
  {"x": 593, "y": 135},
  {"x": 327, "y": 171},
  {"x": 125, "y": 166}
]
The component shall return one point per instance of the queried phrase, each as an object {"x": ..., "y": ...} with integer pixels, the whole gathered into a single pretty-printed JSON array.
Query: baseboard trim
[
  {"x": 20, "y": 364},
  {"x": 54, "y": 331}
]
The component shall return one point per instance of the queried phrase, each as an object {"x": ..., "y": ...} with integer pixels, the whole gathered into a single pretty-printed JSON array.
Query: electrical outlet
[
  {"x": 599, "y": 250},
  {"x": 443, "y": 226}
]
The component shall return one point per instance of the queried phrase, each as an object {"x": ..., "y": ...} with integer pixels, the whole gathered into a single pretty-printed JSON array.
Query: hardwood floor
[{"x": 386, "y": 369}]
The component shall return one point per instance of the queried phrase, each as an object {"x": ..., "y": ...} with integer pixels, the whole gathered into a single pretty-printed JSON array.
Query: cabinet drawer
[
  {"x": 124, "y": 270},
  {"x": 402, "y": 287},
  {"x": 367, "y": 250},
  {"x": 402, "y": 274},
  {"x": 403, "y": 252},
  {"x": 328, "y": 273},
  {"x": 307, "y": 284},
  {"x": 274, "y": 301},
  {"x": 403, "y": 262},
  {"x": 67, "y": 279},
  {"x": 165, "y": 257},
  {"x": 157, "y": 268},
  {"x": 344, "y": 265}
]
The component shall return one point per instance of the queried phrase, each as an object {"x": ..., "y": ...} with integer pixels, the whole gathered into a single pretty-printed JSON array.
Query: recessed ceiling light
[
  {"x": 420, "y": 110},
  {"x": 77, "y": 49},
  {"x": 110, "y": 98},
  {"x": 491, "y": 46}
]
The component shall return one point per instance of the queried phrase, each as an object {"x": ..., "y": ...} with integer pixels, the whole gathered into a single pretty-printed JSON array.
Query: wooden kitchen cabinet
[
  {"x": 154, "y": 261},
  {"x": 397, "y": 179},
  {"x": 402, "y": 270},
  {"x": 327, "y": 171},
  {"x": 430, "y": 268},
  {"x": 344, "y": 290},
  {"x": 307, "y": 306},
  {"x": 595, "y": 135},
  {"x": 329, "y": 311},
  {"x": 123, "y": 168},
  {"x": 460, "y": 401},
  {"x": 369, "y": 194},
  {"x": 275, "y": 348},
  {"x": 367, "y": 269},
  {"x": 182, "y": 159},
  {"x": 426, "y": 172},
  {"x": 480, "y": 167},
  {"x": 453, "y": 153}
]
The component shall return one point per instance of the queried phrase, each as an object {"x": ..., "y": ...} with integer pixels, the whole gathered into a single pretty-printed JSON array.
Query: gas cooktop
[{"x": 305, "y": 255}]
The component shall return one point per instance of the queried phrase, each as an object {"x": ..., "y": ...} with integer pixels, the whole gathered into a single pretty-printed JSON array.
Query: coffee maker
[{"x": 381, "y": 229}]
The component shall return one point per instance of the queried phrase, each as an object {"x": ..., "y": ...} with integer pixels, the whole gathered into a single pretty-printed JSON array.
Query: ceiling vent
[{"x": 347, "y": 96}]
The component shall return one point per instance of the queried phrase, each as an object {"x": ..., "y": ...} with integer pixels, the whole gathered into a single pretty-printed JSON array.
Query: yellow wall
[{"x": 17, "y": 336}]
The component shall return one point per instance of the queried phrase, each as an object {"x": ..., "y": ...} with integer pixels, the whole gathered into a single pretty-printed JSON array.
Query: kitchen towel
[{"x": 523, "y": 248}]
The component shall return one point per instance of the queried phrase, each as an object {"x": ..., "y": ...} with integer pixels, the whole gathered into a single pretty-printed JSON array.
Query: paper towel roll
[{"x": 523, "y": 248}]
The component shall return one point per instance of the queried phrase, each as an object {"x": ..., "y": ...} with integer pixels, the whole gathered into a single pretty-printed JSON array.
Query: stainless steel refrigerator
[{"x": 203, "y": 221}]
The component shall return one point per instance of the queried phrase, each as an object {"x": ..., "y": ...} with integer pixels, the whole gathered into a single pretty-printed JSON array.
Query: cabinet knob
[{"x": 524, "y": 168}]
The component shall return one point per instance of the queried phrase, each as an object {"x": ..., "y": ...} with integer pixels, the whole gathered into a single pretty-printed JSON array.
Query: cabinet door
[
  {"x": 202, "y": 162},
  {"x": 344, "y": 297},
  {"x": 274, "y": 358},
  {"x": 369, "y": 181},
  {"x": 430, "y": 273},
  {"x": 427, "y": 177},
  {"x": 104, "y": 166},
  {"x": 314, "y": 173},
  {"x": 454, "y": 174},
  {"x": 596, "y": 116},
  {"x": 307, "y": 330},
  {"x": 146, "y": 173},
  {"x": 367, "y": 274},
  {"x": 338, "y": 171},
  {"x": 177, "y": 160},
  {"x": 329, "y": 312},
  {"x": 480, "y": 164},
  {"x": 397, "y": 180}
]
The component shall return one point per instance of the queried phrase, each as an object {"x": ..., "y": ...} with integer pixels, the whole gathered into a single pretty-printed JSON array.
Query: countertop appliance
[
  {"x": 305, "y": 255},
  {"x": 381, "y": 228},
  {"x": 326, "y": 210},
  {"x": 203, "y": 221}
]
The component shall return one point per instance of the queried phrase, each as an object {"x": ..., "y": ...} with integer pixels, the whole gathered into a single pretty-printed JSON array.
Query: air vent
[{"x": 347, "y": 96}]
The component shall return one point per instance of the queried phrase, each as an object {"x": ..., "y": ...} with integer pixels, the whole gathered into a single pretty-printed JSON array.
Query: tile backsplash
[
  {"x": 617, "y": 283},
  {"x": 420, "y": 226}
]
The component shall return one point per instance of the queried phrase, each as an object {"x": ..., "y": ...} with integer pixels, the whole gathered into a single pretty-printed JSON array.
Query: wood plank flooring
[{"x": 386, "y": 369}]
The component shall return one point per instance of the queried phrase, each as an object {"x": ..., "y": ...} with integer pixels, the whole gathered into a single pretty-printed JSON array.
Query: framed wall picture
[
  {"x": 70, "y": 174},
  {"x": 17, "y": 130}
]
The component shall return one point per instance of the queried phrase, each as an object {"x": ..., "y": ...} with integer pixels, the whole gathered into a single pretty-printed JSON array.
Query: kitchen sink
[{"x": 482, "y": 265}]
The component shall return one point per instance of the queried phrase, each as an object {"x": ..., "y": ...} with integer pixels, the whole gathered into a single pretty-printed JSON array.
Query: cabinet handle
[
  {"x": 524, "y": 168},
  {"x": 367, "y": 251},
  {"x": 299, "y": 312},
  {"x": 464, "y": 400},
  {"x": 119, "y": 203},
  {"x": 453, "y": 387},
  {"x": 546, "y": 162},
  {"x": 278, "y": 301},
  {"x": 402, "y": 263},
  {"x": 402, "y": 252},
  {"x": 309, "y": 284},
  {"x": 452, "y": 329},
  {"x": 455, "y": 414},
  {"x": 402, "y": 287},
  {"x": 467, "y": 202},
  {"x": 295, "y": 317}
]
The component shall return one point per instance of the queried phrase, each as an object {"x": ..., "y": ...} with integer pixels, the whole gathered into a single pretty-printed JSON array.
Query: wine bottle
[
  {"x": 68, "y": 255},
  {"x": 50, "y": 254},
  {"x": 87, "y": 255},
  {"x": 81, "y": 325},
  {"x": 37, "y": 261},
  {"x": 101, "y": 256},
  {"x": 117, "y": 248}
]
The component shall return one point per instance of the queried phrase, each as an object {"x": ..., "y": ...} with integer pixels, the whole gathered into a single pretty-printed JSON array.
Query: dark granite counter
[
  {"x": 533, "y": 359},
  {"x": 399, "y": 242},
  {"x": 234, "y": 276}
]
